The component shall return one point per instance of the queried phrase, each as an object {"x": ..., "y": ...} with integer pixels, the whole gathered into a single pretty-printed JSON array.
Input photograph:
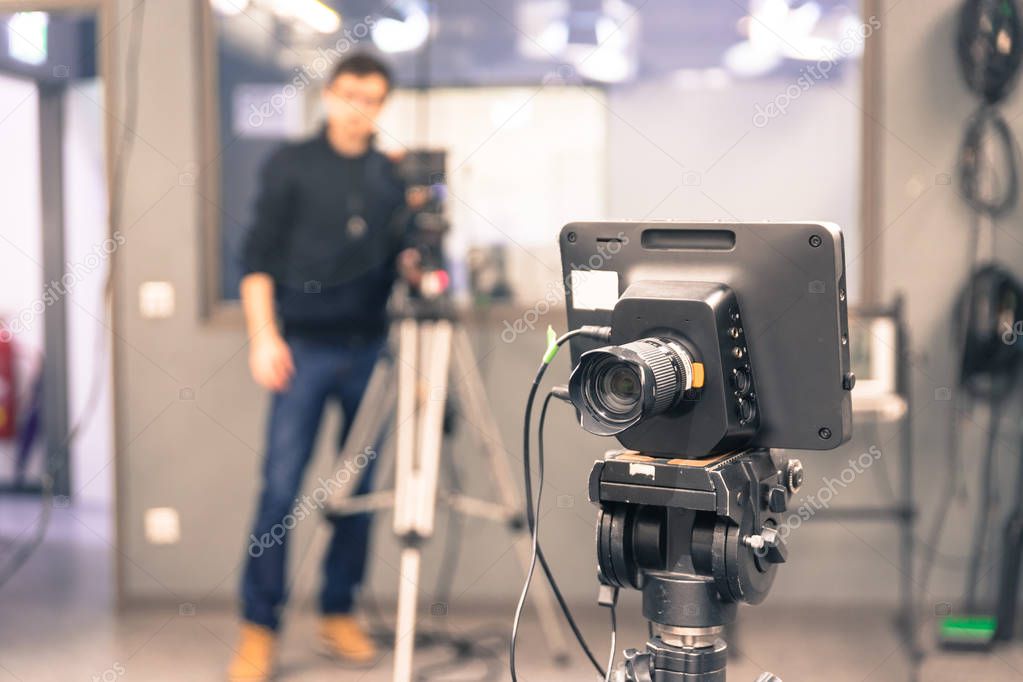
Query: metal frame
[
  {"x": 55, "y": 367},
  {"x": 871, "y": 158},
  {"x": 213, "y": 308}
]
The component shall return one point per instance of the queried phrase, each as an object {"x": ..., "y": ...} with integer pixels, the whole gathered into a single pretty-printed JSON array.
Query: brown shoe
[
  {"x": 342, "y": 637},
  {"x": 254, "y": 656}
]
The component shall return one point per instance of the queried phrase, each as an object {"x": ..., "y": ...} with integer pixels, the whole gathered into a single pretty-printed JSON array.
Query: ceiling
[{"x": 475, "y": 42}]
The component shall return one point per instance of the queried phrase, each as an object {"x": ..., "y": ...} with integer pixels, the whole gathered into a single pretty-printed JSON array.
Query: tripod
[
  {"x": 429, "y": 347},
  {"x": 696, "y": 537}
]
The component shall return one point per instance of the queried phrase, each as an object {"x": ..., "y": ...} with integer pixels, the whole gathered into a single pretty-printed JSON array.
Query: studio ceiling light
[
  {"x": 404, "y": 28},
  {"x": 229, "y": 8},
  {"x": 311, "y": 14},
  {"x": 599, "y": 40},
  {"x": 776, "y": 31},
  {"x": 28, "y": 37}
]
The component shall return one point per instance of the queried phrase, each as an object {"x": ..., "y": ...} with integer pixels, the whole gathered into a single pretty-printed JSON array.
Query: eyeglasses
[{"x": 357, "y": 100}]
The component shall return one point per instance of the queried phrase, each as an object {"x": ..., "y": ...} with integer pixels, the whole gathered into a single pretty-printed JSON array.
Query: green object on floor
[{"x": 967, "y": 632}]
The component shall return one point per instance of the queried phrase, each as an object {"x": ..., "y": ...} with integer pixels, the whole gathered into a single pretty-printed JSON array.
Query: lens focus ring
[
  {"x": 616, "y": 387},
  {"x": 672, "y": 370}
]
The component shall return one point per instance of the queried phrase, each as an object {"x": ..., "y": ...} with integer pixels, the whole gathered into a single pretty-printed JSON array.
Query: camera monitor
[{"x": 723, "y": 335}]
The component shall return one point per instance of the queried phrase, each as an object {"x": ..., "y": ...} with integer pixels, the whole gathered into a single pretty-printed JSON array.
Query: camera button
[
  {"x": 746, "y": 410},
  {"x": 741, "y": 380}
]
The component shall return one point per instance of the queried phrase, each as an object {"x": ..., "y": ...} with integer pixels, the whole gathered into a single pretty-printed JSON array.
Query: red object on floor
[{"x": 7, "y": 387}]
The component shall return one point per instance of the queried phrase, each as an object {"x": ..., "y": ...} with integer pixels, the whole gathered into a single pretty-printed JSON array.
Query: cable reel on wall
[
  {"x": 989, "y": 44},
  {"x": 989, "y": 308}
]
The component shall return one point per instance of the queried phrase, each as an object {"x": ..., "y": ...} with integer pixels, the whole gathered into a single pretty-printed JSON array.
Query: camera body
[
  {"x": 702, "y": 321},
  {"x": 724, "y": 336}
]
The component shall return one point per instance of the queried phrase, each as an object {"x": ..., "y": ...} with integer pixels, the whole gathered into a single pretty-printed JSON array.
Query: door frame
[{"x": 107, "y": 25}]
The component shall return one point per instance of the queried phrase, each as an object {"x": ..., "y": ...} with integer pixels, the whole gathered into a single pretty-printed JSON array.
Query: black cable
[
  {"x": 970, "y": 153},
  {"x": 531, "y": 516},
  {"x": 969, "y": 169},
  {"x": 980, "y": 535},
  {"x": 534, "y": 522},
  {"x": 953, "y": 466},
  {"x": 465, "y": 649},
  {"x": 21, "y": 555}
]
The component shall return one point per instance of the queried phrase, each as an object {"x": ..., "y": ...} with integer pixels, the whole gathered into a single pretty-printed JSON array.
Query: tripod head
[
  {"x": 697, "y": 538},
  {"x": 726, "y": 340}
]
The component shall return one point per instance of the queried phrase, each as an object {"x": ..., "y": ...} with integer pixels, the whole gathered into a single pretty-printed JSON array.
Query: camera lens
[
  {"x": 618, "y": 388},
  {"x": 615, "y": 387}
]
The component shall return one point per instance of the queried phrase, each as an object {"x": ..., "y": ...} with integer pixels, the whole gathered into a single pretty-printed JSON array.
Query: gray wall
[
  {"x": 191, "y": 418},
  {"x": 201, "y": 455},
  {"x": 925, "y": 246}
]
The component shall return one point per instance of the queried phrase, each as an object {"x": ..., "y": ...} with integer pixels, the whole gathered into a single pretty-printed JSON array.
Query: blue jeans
[{"x": 322, "y": 372}]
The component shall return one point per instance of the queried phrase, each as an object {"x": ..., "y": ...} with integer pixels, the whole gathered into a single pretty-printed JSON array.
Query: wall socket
[
  {"x": 156, "y": 300},
  {"x": 162, "y": 526}
]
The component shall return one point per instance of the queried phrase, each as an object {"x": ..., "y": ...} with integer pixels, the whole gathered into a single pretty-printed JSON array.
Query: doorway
[{"x": 56, "y": 421}]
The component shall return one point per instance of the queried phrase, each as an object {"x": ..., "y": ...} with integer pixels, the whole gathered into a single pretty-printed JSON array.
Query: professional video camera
[
  {"x": 701, "y": 346},
  {"x": 423, "y": 171}
]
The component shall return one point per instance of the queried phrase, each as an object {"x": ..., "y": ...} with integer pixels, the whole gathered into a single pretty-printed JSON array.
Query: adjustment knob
[
  {"x": 768, "y": 544},
  {"x": 777, "y": 498},
  {"x": 794, "y": 475},
  {"x": 777, "y": 551},
  {"x": 639, "y": 667}
]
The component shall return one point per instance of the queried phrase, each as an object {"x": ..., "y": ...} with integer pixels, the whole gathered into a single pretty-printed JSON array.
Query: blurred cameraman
[{"x": 327, "y": 245}]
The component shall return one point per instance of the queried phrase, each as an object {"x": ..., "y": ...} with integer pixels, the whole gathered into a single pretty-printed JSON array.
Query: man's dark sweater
[{"x": 328, "y": 229}]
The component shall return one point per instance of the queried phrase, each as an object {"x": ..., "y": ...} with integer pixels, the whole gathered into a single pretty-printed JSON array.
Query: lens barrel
[{"x": 615, "y": 387}]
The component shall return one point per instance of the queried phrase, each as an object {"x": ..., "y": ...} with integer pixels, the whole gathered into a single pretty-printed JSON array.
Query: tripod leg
[
  {"x": 377, "y": 404},
  {"x": 478, "y": 406},
  {"x": 420, "y": 435},
  {"x": 405, "y": 630},
  {"x": 407, "y": 426},
  {"x": 368, "y": 427},
  {"x": 407, "y": 422}
]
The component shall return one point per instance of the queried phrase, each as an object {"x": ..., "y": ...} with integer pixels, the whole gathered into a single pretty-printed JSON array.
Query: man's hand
[
  {"x": 410, "y": 266},
  {"x": 269, "y": 356},
  {"x": 418, "y": 196},
  {"x": 270, "y": 361}
]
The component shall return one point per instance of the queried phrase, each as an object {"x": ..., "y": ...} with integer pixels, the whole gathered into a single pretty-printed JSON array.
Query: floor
[{"x": 57, "y": 623}]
